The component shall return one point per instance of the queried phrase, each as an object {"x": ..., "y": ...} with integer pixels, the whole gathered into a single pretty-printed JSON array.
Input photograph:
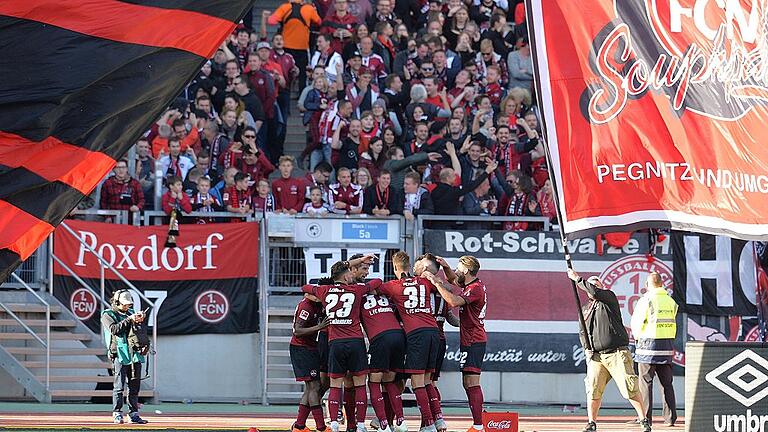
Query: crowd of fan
[{"x": 410, "y": 107}]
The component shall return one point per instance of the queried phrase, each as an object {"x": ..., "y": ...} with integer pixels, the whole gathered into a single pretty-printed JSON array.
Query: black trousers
[
  {"x": 126, "y": 374},
  {"x": 664, "y": 372},
  {"x": 301, "y": 57}
]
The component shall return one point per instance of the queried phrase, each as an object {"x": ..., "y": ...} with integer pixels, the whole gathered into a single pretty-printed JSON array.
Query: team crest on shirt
[
  {"x": 261, "y": 82},
  {"x": 304, "y": 315}
]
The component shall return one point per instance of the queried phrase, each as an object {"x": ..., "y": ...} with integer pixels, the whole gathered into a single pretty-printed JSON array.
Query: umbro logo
[{"x": 744, "y": 378}]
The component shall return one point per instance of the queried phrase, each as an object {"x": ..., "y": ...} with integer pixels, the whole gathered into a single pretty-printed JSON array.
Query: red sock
[
  {"x": 301, "y": 417},
  {"x": 317, "y": 414},
  {"x": 396, "y": 400},
  {"x": 475, "y": 397},
  {"x": 422, "y": 399},
  {"x": 334, "y": 403},
  {"x": 377, "y": 402},
  {"x": 361, "y": 403},
  {"x": 349, "y": 406},
  {"x": 434, "y": 402},
  {"x": 388, "y": 407}
]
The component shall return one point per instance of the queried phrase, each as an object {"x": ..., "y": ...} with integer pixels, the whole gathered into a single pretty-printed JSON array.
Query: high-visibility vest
[{"x": 659, "y": 322}]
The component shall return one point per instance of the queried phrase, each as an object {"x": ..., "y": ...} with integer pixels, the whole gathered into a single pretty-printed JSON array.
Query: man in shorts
[
  {"x": 609, "y": 357},
  {"x": 307, "y": 321}
]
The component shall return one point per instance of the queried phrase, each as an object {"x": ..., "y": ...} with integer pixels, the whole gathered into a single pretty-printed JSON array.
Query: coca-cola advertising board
[
  {"x": 655, "y": 113},
  {"x": 500, "y": 421},
  {"x": 206, "y": 284}
]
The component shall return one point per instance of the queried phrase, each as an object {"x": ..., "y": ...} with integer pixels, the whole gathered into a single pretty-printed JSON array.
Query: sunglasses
[
  {"x": 487, "y": 53},
  {"x": 249, "y": 136},
  {"x": 427, "y": 69}
]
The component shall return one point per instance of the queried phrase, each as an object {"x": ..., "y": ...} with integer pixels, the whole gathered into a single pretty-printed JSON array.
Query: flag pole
[{"x": 552, "y": 178}]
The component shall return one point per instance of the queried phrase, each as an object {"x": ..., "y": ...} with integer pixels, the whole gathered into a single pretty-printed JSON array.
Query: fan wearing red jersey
[
  {"x": 472, "y": 303},
  {"x": 442, "y": 313},
  {"x": 386, "y": 351},
  {"x": 412, "y": 297},
  {"x": 307, "y": 321},
  {"x": 342, "y": 302}
]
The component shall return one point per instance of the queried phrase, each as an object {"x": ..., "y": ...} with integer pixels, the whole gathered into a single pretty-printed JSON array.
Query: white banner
[{"x": 320, "y": 260}]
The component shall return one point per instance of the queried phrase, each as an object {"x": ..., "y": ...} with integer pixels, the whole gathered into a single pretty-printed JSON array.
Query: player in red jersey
[
  {"x": 307, "y": 321},
  {"x": 386, "y": 351},
  {"x": 472, "y": 303},
  {"x": 342, "y": 302},
  {"x": 412, "y": 296},
  {"x": 442, "y": 313}
]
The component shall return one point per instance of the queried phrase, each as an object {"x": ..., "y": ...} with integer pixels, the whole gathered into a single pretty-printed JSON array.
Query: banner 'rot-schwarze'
[
  {"x": 657, "y": 112},
  {"x": 81, "y": 81}
]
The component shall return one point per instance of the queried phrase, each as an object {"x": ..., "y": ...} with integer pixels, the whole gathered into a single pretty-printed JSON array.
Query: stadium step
[
  {"x": 38, "y": 322},
  {"x": 67, "y": 365},
  {"x": 278, "y": 353},
  {"x": 282, "y": 381},
  {"x": 279, "y": 339},
  {"x": 54, "y": 336},
  {"x": 281, "y": 367},
  {"x": 30, "y": 308},
  {"x": 78, "y": 378},
  {"x": 56, "y": 351},
  {"x": 281, "y": 312},
  {"x": 280, "y": 326}
]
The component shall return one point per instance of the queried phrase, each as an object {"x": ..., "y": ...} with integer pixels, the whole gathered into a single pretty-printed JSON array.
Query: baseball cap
[
  {"x": 356, "y": 54},
  {"x": 261, "y": 45},
  {"x": 125, "y": 298}
]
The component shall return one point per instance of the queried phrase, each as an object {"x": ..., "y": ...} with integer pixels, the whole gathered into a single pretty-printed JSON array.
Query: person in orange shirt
[
  {"x": 296, "y": 17},
  {"x": 188, "y": 139}
]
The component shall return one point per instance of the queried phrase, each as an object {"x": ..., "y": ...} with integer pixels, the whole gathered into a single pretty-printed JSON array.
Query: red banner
[
  {"x": 203, "y": 252},
  {"x": 656, "y": 112}
]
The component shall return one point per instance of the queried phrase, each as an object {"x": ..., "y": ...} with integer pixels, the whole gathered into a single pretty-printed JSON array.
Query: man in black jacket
[
  {"x": 609, "y": 357},
  {"x": 446, "y": 196},
  {"x": 382, "y": 199}
]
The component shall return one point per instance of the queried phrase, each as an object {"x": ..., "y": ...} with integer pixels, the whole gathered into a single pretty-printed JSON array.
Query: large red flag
[{"x": 656, "y": 112}]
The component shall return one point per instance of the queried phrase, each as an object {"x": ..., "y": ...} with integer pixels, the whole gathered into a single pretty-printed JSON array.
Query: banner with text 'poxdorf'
[
  {"x": 656, "y": 112},
  {"x": 207, "y": 284}
]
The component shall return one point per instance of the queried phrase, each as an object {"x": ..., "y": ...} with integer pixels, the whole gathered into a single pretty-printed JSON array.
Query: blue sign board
[{"x": 363, "y": 231}]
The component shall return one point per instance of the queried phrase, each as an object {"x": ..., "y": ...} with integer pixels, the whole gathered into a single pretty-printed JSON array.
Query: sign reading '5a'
[{"x": 359, "y": 230}]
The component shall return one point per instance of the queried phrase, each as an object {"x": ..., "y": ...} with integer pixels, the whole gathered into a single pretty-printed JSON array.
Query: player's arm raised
[
  {"x": 367, "y": 259},
  {"x": 450, "y": 298},
  {"x": 450, "y": 276}
]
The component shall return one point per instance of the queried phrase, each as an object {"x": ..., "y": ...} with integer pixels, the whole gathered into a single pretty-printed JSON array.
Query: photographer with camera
[{"x": 125, "y": 335}]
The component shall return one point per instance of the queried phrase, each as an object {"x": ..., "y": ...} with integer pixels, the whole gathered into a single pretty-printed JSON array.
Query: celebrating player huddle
[{"x": 403, "y": 322}]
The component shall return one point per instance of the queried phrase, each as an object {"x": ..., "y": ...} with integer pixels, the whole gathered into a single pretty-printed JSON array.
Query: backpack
[{"x": 295, "y": 14}]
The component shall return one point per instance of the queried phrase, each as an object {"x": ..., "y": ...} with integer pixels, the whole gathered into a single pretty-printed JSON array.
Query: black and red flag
[{"x": 81, "y": 81}]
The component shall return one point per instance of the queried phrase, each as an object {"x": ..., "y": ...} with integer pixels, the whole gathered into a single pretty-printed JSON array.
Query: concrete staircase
[
  {"x": 281, "y": 384},
  {"x": 79, "y": 367}
]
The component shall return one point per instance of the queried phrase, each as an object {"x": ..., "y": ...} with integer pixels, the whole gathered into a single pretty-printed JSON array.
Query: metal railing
[
  {"x": 155, "y": 217},
  {"x": 45, "y": 343}
]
